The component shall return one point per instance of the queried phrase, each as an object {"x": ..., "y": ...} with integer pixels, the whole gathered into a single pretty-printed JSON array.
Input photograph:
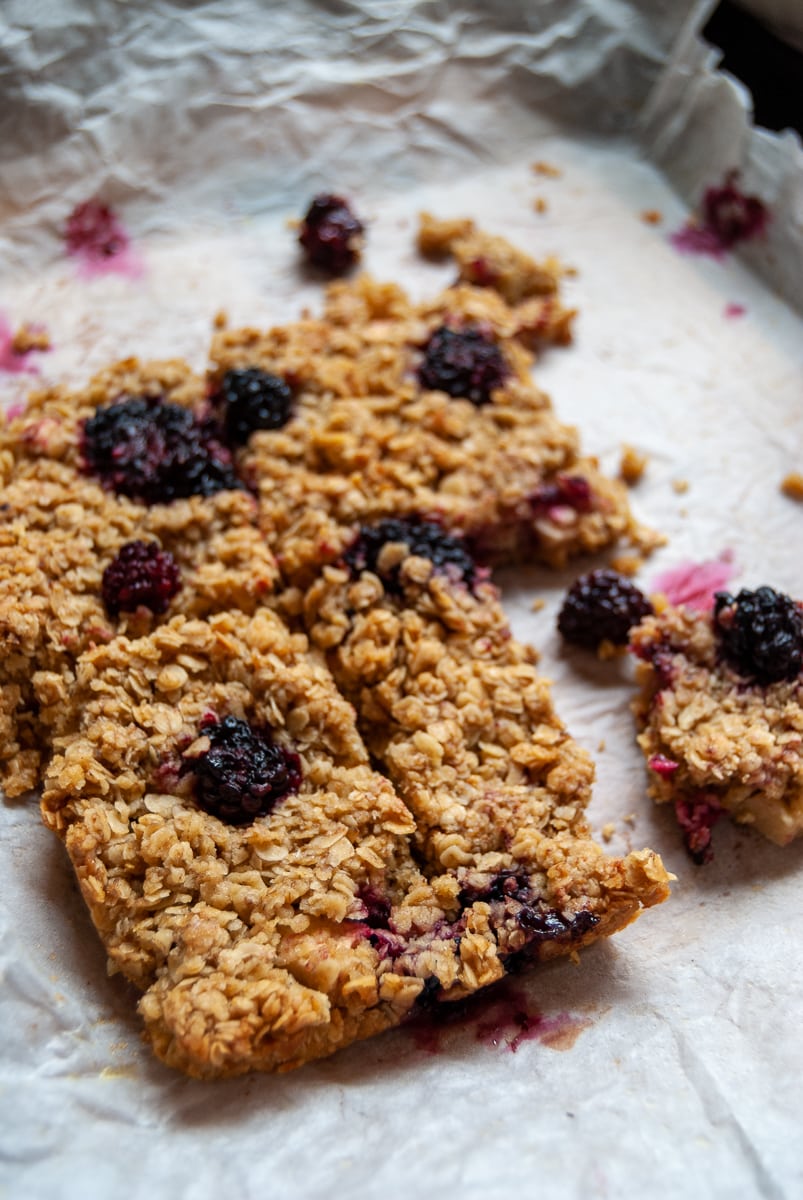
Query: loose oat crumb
[
  {"x": 547, "y": 170},
  {"x": 601, "y": 745},
  {"x": 540, "y": 205},
  {"x": 30, "y": 337},
  {"x": 792, "y": 485},
  {"x": 629, "y": 819},
  {"x": 680, "y": 486},
  {"x": 652, "y": 216},
  {"x": 633, "y": 465},
  {"x": 608, "y": 831},
  {"x": 627, "y": 564},
  {"x": 220, "y": 319},
  {"x": 537, "y": 604}
]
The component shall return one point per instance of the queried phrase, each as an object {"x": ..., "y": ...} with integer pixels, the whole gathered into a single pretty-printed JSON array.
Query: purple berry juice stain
[
  {"x": 728, "y": 216},
  {"x": 100, "y": 244},
  {"x": 733, "y": 311},
  {"x": 503, "y": 1020},
  {"x": 693, "y": 584}
]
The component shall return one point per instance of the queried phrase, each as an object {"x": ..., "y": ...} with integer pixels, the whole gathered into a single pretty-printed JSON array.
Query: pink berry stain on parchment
[
  {"x": 694, "y": 583},
  {"x": 100, "y": 244},
  {"x": 502, "y": 1021},
  {"x": 728, "y": 216}
]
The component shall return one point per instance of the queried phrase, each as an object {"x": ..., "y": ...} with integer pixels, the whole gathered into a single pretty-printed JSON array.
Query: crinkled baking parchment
[{"x": 208, "y": 126}]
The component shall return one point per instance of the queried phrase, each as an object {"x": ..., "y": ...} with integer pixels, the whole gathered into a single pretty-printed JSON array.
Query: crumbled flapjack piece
[
  {"x": 60, "y": 530},
  {"x": 488, "y": 261},
  {"x": 262, "y": 943},
  {"x": 368, "y": 440},
  {"x": 715, "y": 738}
]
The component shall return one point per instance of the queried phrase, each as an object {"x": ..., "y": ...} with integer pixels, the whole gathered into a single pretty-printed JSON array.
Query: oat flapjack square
[
  {"x": 80, "y": 482},
  {"x": 720, "y": 714},
  {"x": 267, "y": 935},
  {"x": 417, "y": 409}
]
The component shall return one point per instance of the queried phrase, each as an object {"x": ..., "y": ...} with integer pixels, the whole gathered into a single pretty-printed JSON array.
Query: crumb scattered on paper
[
  {"x": 540, "y": 205},
  {"x": 792, "y": 486},
  {"x": 608, "y": 831},
  {"x": 546, "y": 169},
  {"x": 652, "y": 216},
  {"x": 537, "y": 604},
  {"x": 632, "y": 466},
  {"x": 680, "y": 486},
  {"x": 220, "y": 319}
]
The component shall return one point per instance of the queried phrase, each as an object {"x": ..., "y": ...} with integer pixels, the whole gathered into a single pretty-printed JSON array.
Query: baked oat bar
[
  {"x": 259, "y": 882},
  {"x": 427, "y": 410},
  {"x": 720, "y": 714},
  {"x": 87, "y": 475}
]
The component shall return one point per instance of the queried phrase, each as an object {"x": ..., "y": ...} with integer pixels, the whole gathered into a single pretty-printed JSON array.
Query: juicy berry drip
[
  {"x": 94, "y": 231},
  {"x": 760, "y": 634},
  {"x": 155, "y": 451},
  {"x": 464, "y": 363},
  {"x": 539, "y": 923},
  {"x": 601, "y": 606},
  {"x": 696, "y": 817},
  {"x": 140, "y": 574},
  {"x": 251, "y": 399},
  {"x": 242, "y": 775},
  {"x": 565, "y": 491},
  {"x": 330, "y": 234},
  {"x": 377, "y": 908},
  {"x": 425, "y": 539}
]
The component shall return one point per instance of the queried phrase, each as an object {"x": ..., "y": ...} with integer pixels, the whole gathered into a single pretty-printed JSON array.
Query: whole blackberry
[
  {"x": 140, "y": 574},
  {"x": 251, "y": 399},
  {"x": 601, "y": 606},
  {"x": 465, "y": 363},
  {"x": 760, "y": 634},
  {"x": 425, "y": 539},
  {"x": 242, "y": 775},
  {"x": 330, "y": 234},
  {"x": 155, "y": 451}
]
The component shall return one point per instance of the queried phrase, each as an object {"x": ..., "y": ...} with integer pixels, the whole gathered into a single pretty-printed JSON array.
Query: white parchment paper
[{"x": 685, "y": 1075}]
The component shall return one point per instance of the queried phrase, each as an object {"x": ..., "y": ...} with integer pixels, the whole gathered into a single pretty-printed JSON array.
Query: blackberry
[
  {"x": 425, "y": 539},
  {"x": 760, "y": 634},
  {"x": 601, "y": 606},
  {"x": 465, "y": 363},
  {"x": 154, "y": 451},
  {"x": 140, "y": 574},
  {"x": 243, "y": 774},
  {"x": 330, "y": 234},
  {"x": 93, "y": 230},
  {"x": 251, "y": 399},
  {"x": 731, "y": 215}
]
